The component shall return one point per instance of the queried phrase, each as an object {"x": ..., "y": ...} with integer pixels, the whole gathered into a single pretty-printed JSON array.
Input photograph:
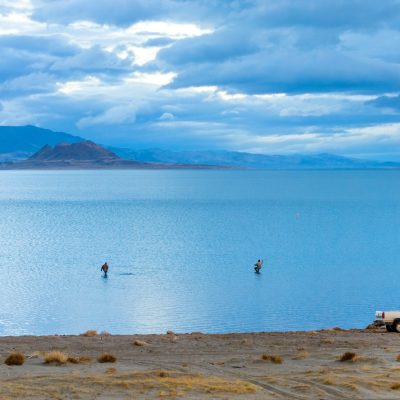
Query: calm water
[{"x": 181, "y": 245}]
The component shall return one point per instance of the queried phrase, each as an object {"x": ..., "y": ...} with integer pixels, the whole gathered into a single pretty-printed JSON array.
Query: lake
[{"x": 181, "y": 247}]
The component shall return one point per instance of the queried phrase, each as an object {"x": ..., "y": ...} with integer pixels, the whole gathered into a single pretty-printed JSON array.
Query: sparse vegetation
[
  {"x": 107, "y": 358},
  {"x": 15, "y": 358},
  {"x": 139, "y": 384},
  {"x": 272, "y": 358},
  {"x": 348, "y": 356},
  {"x": 78, "y": 360},
  {"x": 55, "y": 357},
  {"x": 395, "y": 386},
  {"x": 90, "y": 333}
]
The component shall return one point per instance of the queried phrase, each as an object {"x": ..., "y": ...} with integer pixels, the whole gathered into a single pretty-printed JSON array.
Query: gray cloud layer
[{"x": 268, "y": 76}]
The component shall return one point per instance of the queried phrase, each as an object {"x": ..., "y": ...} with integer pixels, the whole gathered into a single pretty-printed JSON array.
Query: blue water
[{"x": 181, "y": 246}]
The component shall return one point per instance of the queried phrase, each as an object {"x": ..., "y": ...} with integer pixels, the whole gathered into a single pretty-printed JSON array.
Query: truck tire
[
  {"x": 390, "y": 328},
  {"x": 396, "y": 326}
]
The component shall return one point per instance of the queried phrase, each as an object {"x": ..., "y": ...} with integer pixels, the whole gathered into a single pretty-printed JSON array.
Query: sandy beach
[{"x": 290, "y": 365}]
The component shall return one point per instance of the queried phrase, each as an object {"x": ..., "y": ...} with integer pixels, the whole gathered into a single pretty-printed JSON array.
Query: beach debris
[
  {"x": 90, "y": 333},
  {"x": 348, "y": 356},
  {"x": 15, "y": 358},
  {"x": 107, "y": 358},
  {"x": 55, "y": 357},
  {"x": 141, "y": 343}
]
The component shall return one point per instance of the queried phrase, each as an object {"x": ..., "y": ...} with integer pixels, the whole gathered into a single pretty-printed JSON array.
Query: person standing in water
[
  {"x": 258, "y": 265},
  {"x": 104, "y": 268}
]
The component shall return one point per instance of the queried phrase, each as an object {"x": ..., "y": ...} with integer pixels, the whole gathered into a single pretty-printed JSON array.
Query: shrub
[
  {"x": 89, "y": 333},
  {"x": 15, "y": 358},
  {"x": 398, "y": 357},
  {"x": 395, "y": 386},
  {"x": 348, "y": 356},
  {"x": 55, "y": 357},
  {"x": 272, "y": 358},
  {"x": 107, "y": 358}
]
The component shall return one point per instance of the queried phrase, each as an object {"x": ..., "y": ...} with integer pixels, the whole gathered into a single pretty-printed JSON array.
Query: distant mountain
[
  {"x": 19, "y": 142},
  {"x": 253, "y": 161},
  {"x": 83, "y": 155}
]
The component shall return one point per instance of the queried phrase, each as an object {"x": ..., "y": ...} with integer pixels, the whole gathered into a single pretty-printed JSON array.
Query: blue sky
[{"x": 266, "y": 76}]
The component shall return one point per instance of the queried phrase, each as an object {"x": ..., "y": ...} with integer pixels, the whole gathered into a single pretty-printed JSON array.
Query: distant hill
[
  {"x": 253, "y": 161},
  {"x": 19, "y": 142},
  {"x": 83, "y": 155}
]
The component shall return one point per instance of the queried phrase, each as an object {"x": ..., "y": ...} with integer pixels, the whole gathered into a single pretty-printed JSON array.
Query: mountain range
[
  {"x": 32, "y": 147},
  {"x": 252, "y": 161}
]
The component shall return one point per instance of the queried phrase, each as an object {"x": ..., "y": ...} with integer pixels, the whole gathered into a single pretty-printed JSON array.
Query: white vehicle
[{"x": 391, "y": 319}]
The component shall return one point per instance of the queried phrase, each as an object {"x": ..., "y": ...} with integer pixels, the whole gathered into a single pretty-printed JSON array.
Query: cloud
[
  {"x": 167, "y": 116},
  {"x": 127, "y": 12},
  {"x": 267, "y": 76}
]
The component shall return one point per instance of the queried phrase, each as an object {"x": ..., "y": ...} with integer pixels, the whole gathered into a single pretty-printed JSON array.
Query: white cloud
[{"x": 167, "y": 116}]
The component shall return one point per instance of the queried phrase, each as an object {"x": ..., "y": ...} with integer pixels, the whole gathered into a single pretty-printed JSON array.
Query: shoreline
[{"x": 264, "y": 365}]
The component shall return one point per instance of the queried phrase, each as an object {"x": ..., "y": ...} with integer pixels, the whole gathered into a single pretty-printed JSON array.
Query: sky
[{"x": 262, "y": 76}]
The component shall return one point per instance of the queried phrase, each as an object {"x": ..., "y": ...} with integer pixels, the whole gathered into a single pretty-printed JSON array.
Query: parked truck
[{"x": 391, "y": 319}]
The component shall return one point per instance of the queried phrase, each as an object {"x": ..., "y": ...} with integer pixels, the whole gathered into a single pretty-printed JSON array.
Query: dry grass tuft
[
  {"x": 107, "y": 358},
  {"x": 78, "y": 360},
  {"x": 272, "y": 358},
  {"x": 348, "y": 356},
  {"x": 55, "y": 357},
  {"x": 90, "y": 333},
  {"x": 395, "y": 386},
  {"x": 15, "y": 358},
  {"x": 111, "y": 370}
]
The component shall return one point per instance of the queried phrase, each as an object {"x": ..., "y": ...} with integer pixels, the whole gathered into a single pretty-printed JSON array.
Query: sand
[{"x": 199, "y": 366}]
